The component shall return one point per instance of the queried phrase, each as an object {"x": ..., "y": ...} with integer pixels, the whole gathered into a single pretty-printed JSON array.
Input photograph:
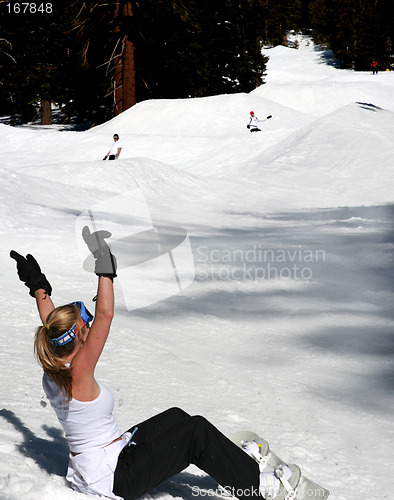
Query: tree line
[
  {"x": 96, "y": 58},
  {"x": 357, "y": 31}
]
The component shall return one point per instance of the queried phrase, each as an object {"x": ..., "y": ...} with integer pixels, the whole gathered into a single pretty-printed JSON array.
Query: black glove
[
  {"x": 30, "y": 273},
  {"x": 247, "y": 126},
  {"x": 105, "y": 261}
]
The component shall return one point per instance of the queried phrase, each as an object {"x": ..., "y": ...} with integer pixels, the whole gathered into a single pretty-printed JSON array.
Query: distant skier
[
  {"x": 375, "y": 67},
  {"x": 253, "y": 121},
  {"x": 115, "y": 149}
]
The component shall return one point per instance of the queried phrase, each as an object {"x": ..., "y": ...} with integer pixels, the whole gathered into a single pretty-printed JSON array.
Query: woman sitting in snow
[{"x": 102, "y": 460}]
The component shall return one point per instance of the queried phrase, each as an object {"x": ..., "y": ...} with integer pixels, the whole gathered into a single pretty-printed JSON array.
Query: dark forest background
[{"x": 94, "y": 59}]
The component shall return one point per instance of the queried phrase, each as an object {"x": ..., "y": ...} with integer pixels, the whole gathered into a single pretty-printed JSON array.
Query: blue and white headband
[{"x": 70, "y": 334}]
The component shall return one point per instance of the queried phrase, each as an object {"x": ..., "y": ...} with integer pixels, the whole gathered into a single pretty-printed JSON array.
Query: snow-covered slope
[{"x": 287, "y": 327}]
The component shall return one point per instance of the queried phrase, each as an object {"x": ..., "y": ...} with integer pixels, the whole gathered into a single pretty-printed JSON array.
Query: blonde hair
[{"x": 51, "y": 357}]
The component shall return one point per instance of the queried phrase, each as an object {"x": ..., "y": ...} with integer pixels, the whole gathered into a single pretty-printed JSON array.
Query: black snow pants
[{"x": 169, "y": 442}]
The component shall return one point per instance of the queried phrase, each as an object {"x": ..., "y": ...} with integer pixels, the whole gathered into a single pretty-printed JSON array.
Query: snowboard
[{"x": 269, "y": 461}]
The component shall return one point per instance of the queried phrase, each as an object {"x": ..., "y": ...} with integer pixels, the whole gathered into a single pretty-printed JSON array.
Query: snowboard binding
[{"x": 278, "y": 480}]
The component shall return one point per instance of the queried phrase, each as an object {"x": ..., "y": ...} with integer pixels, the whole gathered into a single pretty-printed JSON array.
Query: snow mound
[{"x": 214, "y": 116}]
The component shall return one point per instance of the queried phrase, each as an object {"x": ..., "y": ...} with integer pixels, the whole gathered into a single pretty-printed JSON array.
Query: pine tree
[
  {"x": 98, "y": 58},
  {"x": 279, "y": 17},
  {"x": 37, "y": 68},
  {"x": 185, "y": 48},
  {"x": 124, "y": 72}
]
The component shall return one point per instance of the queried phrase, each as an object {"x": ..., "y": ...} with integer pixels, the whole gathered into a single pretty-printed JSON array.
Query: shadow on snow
[
  {"x": 346, "y": 305},
  {"x": 50, "y": 454}
]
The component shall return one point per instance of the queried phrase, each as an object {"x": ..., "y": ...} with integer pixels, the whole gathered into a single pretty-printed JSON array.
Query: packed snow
[{"x": 286, "y": 328}]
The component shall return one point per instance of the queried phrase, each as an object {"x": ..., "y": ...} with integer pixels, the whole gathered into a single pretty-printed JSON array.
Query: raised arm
[
  {"x": 44, "y": 304},
  {"x": 85, "y": 361}
]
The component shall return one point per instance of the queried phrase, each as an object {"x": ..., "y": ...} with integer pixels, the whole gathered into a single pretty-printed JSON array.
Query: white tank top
[{"x": 87, "y": 424}]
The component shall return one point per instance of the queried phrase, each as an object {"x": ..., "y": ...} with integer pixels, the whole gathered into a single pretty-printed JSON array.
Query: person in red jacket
[{"x": 374, "y": 66}]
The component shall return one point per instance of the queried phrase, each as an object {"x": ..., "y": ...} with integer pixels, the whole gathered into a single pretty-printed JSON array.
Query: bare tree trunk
[
  {"x": 124, "y": 78},
  {"x": 46, "y": 113}
]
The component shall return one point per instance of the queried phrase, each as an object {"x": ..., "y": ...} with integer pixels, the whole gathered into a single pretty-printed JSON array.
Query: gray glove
[{"x": 105, "y": 262}]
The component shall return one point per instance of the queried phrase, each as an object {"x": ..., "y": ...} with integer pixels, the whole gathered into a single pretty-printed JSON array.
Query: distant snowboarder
[
  {"x": 253, "y": 121},
  {"x": 375, "y": 67},
  {"x": 115, "y": 149}
]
